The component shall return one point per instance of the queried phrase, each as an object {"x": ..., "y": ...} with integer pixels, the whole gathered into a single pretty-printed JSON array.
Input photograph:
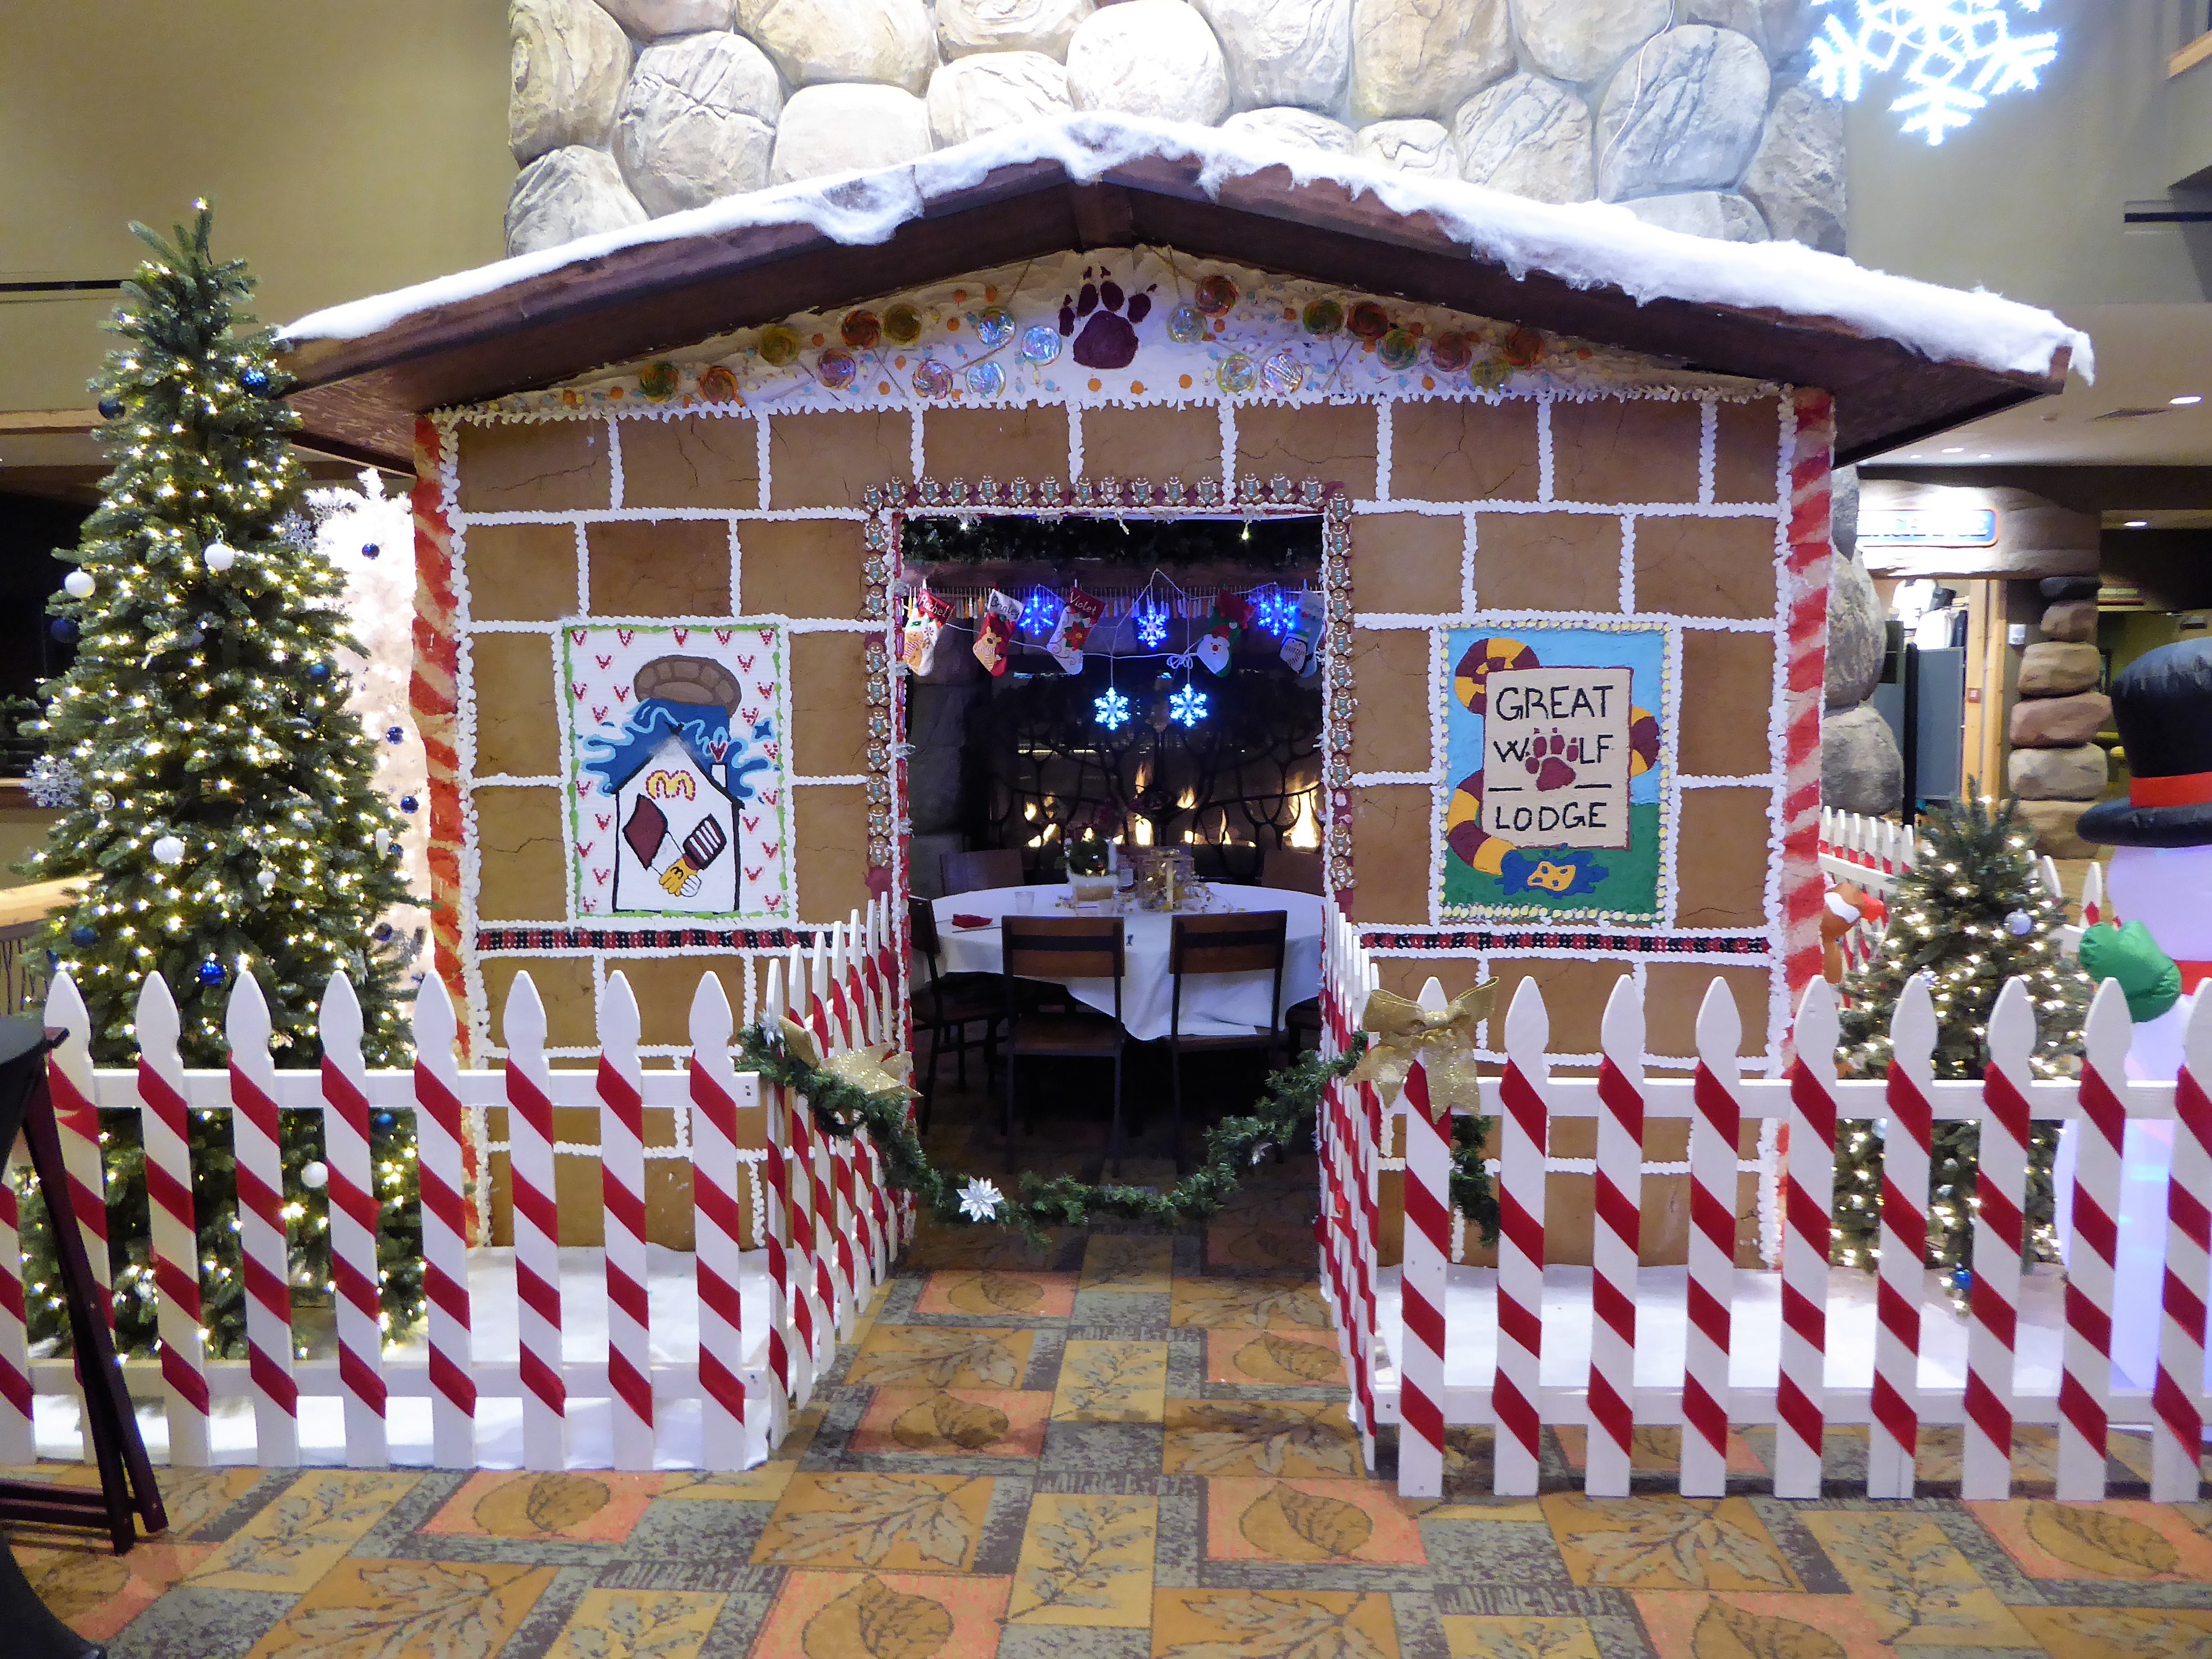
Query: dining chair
[
  {"x": 948, "y": 1004},
  {"x": 1059, "y": 949},
  {"x": 971, "y": 873},
  {"x": 1290, "y": 871},
  {"x": 1243, "y": 942}
]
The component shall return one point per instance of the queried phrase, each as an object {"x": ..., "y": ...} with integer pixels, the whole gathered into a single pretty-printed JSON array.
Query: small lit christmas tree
[
  {"x": 229, "y": 823},
  {"x": 1971, "y": 913}
]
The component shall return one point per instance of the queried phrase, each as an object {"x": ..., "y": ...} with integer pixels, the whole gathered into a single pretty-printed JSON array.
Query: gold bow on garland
[
  {"x": 1404, "y": 1032},
  {"x": 875, "y": 1070}
]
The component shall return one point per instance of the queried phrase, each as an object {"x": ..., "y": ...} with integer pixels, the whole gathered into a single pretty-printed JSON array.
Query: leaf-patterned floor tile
[
  {"x": 600, "y": 1507},
  {"x": 1281, "y": 1360},
  {"x": 895, "y": 1522},
  {"x": 1111, "y": 1383},
  {"x": 1086, "y": 1559},
  {"x": 1127, "y": 1262},
  {"x": 1665, "y": 1542},
  {"x": 295, "y": 1541},
  {"x": 627, "y": 1623},
  {"x": 1302, "y": 1438},
  {"x": 883, "y": 1616},
  {"x": 1923, "y": 1591},
  {"x": 1757, "y": 1626},
  {"x": 1342, "y": 1521},
  {"x": 2120, "y": 1633},
  {"x": 399, "y": 1609},
  {"x": 998, "y": 1293},
  {"x": 92, "y": 1589},
  {"x": 953, "y": 1423},
  {"x": 1239, "y": 1624},
  {"x": 1272, "y": 1304},
  {"x": 942, "y": 1357},
  {"x": 1656, "y": 1449},
  {"x": 1470, "y": 1636},
  {"x": 2138, "y": 1542}
]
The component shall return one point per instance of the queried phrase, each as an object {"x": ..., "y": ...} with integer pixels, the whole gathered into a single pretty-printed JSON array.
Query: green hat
[{"x": 2148, "y": 977}]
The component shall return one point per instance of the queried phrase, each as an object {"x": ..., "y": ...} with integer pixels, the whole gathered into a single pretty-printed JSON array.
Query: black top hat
[{"x": 2163, "y": 704}]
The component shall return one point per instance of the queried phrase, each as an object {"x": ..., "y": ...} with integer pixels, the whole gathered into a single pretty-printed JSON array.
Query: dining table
[{"x": 1214, "y": 1004}]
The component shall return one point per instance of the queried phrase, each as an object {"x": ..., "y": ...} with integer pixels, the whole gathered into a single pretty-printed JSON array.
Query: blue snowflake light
[
  {"x": 1953, "y": 56},
  {"x": 1276, "y": 611},
  {"x": 1112, "y": 709},
  {"x": 1151, "y": 626},
  {"x": 1042, "y": 614},
  {"x": 1187, "y": 705}
]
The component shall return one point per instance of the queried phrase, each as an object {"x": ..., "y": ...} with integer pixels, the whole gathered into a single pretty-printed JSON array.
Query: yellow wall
[{"x": 347, "y": 148}]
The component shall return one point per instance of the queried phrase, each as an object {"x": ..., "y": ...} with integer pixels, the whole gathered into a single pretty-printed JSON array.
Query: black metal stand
[{"x": 126, "y": 1493}]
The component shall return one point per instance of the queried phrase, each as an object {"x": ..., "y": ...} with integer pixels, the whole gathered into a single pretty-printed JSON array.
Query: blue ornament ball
[
  {"x": 83, "y": 938},
  {"x": 408, "y": 804},
  {"x": 393, "y": 734},
  {"x": 384, "y": 1120},
  {"x": 63, "y": 628},
  {"x": 370, "y": 550},
  {"x": 319, "y": 672},
  {"x": 111, "y": 408},
  {"x": 210, "y": 972},
  {"x": 255, "y": 379}
]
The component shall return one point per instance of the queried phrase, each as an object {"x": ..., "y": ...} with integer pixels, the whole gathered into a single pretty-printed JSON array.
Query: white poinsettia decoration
[
  {"x": 1260, "y": 1150},
  {"x": 981, "y": 1200}
]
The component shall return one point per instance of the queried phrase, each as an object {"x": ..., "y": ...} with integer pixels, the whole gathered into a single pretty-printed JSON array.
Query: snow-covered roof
[{"x": 1550, "y": 253}]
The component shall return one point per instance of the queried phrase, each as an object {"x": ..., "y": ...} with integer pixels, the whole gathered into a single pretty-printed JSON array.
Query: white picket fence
[
  {"x": 538, "y": 1355},
  {"x": 1706, "y": 1346}
]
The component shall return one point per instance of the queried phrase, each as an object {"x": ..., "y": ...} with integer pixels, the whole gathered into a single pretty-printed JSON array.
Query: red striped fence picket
[{"x": 256, "y": 1140}]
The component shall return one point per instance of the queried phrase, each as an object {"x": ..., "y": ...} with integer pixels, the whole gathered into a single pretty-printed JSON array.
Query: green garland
[{"x": 1289, "y": 1104}]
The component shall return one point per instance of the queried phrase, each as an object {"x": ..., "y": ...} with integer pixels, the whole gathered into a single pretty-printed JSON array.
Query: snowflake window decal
[
  {"x": 1112, "y": 709},
  {"x": 1954, "y": 56},
  {"x": 1187, "y": 706}
]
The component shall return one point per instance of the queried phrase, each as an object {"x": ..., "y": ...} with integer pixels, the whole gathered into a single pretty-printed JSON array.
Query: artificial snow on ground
[{"x": 1586, "y": 244}]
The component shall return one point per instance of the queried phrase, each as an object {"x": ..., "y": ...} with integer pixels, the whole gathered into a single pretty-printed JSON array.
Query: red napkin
[{"x": 963, "y": 920}]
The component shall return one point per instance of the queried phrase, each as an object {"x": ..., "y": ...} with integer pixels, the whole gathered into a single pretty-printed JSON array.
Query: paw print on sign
[
  {"x": 1547, "y": 763},
  {"x": 1108, "y": 339}
]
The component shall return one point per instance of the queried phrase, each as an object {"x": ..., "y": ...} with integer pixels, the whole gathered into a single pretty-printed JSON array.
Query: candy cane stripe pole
[
  {"x": 537, "y": 1229},
  {"x": 69, "y": 1079},
  {"x": 1895, "y": 1436},
  {"x": 353, "y": 1227},
  {"x": 1616, "y": 1243},
  {"x": 2177, "y": 1451},
  {"x": 720, "y": 1227},
  {"x": 439, "y": 1140},
  {"x": 17, "y": 1443},
  {"x": 1428, "y": 1246},
  {"x": 788, "y": 1223},
  {"x": 260, "y": 1169},
  {"x": 174, "y": 1228},
  {"x": 1517, "y": 1457},
  {"x": 1715, "y": 1131},
  {"x": 1801, "y": 1394},
  {"x": 2001, "y": 1191},
  {"x": 620, "y": 1086},
  {"x": 2086, "y": 1377}
]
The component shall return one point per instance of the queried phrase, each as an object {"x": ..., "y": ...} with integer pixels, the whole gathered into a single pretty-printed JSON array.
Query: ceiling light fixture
[
  {"x": 2186, "y": 400},
  {"x": 2137, "y": 524}
]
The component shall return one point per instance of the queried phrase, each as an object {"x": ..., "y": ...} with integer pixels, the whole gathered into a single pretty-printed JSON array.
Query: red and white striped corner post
[
  {"x": 873, "y": 1216},
  {"x": 174, "y": 1224},
  {"x": 1428, "y": 1252},
  {"x": 788, "y": 1225},
  {"x": 69, "y": 1077},
  {"x": 1894, "y": 1436},
  {"x": 1715, "y": 1135},
  {"x": 714, "y": 1090},
  {"x": 537, "y": 1228},
  {"x": 18, "y": 1444},
  {"x": 2087, "y": 1380},
  {"x": 439, "y": 1138},
  {"x": 1616, "y": 1244},
  {"x": 620, "y": 1086},
  {"x": 255, "y": 1138},
  {"x": 354, "y": 1215},
  {"x": 1808, "y": 1209},
  {"x": 838, "y": 1202},
  {"x": 2000, "y": 1227},
  {"x": 1522, "y": 1134},
  {"x": 2177, "y": 1449},
  {"x": 814, "y": 1168}
]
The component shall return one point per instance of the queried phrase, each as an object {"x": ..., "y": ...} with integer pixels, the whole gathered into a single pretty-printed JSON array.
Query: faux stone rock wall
[
  {"x": 2056, "y": 766},
  {"x": 1694, "y": 114},
  {"x": 1862, "y": 770}
]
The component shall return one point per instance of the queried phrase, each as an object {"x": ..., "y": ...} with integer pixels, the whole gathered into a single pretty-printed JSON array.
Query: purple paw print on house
[{"x": 1108, "y": 339}]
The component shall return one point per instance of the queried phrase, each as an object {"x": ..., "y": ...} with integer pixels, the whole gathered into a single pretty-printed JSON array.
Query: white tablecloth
[{"x": 1214, "y": 1004}]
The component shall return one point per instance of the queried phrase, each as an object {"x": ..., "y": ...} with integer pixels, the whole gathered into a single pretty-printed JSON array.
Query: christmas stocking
[
  {"x": 1076, "y": 618},
  {"x": 925, "y": 621},
  {"x": 1301, "y": 655},
  {"x": 1232, "y": 613},
  {"x": 995, "y": 633}
]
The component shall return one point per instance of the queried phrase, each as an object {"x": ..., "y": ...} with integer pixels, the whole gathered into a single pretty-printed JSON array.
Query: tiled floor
[{"x": 1127, "y": 1446}]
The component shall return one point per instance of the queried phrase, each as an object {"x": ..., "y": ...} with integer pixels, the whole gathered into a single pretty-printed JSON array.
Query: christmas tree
[
  {"x": 227, "y": 820},
  {"x": 1971, "y": 913}
]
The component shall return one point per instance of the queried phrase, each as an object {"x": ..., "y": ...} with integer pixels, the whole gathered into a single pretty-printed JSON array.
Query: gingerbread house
[{"x": 1552, "y": 441}]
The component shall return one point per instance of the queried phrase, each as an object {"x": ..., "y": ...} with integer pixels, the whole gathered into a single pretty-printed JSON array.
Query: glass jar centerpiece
[
  {"x": 1165, "y": 875},
  {"x": 1090, "y": 877}
]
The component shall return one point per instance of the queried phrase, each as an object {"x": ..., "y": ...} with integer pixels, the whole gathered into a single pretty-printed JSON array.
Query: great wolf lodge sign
[{"x": 1555, "y": 760}]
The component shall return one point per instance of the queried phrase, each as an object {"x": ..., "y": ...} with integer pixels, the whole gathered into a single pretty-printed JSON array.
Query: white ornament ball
[
  {"x": 266, "y": 881},
  {"x": 383, "y": 839},
  {"x": 78, "y": 584},
  {"x": 169, "y": 849},
  {"x": 314, "y": 1177},
  {"x": 219, "y": 557},
  {"x": 2018, "y": 924}
]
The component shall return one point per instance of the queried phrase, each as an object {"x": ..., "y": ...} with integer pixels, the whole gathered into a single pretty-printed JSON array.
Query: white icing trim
[
  {"x": 1543, "y": 451},
  {"x": 1709, "y": 427}
]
